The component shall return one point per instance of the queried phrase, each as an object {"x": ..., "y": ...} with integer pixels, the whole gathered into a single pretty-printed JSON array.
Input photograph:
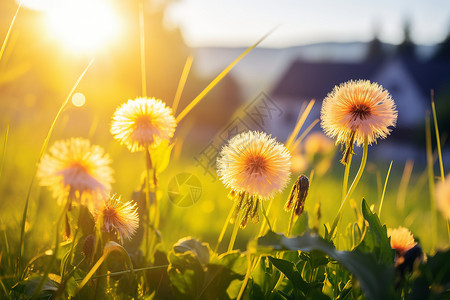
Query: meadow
[{"x": 90, "y": 205}]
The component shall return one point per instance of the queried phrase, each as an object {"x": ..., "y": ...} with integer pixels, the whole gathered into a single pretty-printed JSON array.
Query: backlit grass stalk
[
  {"x": 182, "y": 83},
  {"x": 5, "y": 41},
  {"x": 224, "y": 229},
  {"x": 384, "y": 190},
  {"x": 41, "y": 154},
  {"x": 431, "y": 184},
  {"x": 403, "y": 187},
  {"x": 299, "y": 125},
  {"x": 142, "y": 48},
  {"x": 352, "y": 187},
  {"x": 235, "y": 231},
  {"x": 4, "y": 150},
  {"x": 216, "y": 80},
  {"x": 346, "y": 175},
  {"x": 438, "y": 145}
]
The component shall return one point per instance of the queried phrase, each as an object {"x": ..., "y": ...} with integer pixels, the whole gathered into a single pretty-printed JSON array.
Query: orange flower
[
  {"x": 143, "y": 123},
  {"x": 119, "y": 216},
  {"x": 401, "y": 239}
]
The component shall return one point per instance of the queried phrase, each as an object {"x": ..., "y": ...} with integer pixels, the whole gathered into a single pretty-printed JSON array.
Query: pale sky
[{"x": 242, "y": 22}]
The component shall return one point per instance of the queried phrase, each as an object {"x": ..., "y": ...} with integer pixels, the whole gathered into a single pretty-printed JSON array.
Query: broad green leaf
[
  {"x": 291, "y": 272},
  {"x": 376, "y": 280},
  {"x": 376, "y": 240}
]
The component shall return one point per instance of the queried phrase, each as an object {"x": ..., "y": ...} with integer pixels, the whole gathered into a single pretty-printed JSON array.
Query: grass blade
[
  {"x": 403, "y": 187},
  {"x": 4, "y": 150},
  {"x": 384, "y": 189},
  {"x": 181, "y": 84},
  {"x": 142, "y": 48},
  {"x": 300, "y": 122},
  {"x": 431, "y": 182},
  {"x": 218, "y": 79},
  {"x": 438, "y": 139},
  {"x": 41, "y": 154},
  {"x": 2, "y": 50}
]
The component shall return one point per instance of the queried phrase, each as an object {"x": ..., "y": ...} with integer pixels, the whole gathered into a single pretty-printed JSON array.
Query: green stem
[
  {"x": 263, "y": 223},
  {"x": 384, "y": 190},
  {"x": 352, "y": 188},
  {"x": 148, "y": 202},
  {"x": 265, "y": 215},
  {"x": 224, "y": 229},
  {"x": 235, "y": 230},
  {"x": 346, "y": 175}
]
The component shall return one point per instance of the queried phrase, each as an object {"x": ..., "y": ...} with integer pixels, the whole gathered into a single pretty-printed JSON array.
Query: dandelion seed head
[
  {"x": 119, "y": 216},
  {"x": 142, "y": 123},
  {"x": 76, "y": 169},
  {"x": 401, "y": 239},
  {"x": 361, "y": 108},
  {"x": 254, "y": 163}
]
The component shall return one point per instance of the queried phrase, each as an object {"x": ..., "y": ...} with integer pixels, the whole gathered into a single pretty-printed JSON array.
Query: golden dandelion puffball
[
  {"x": 76, "y": 169},
  {"x": 443, "y": 197},
  {"x": 401, "y": 239},
  {"x": 254, "y": 163},
  {"x": 143, "y": 123},
  {"x": 360, "y": 108},
  {"x": 119, "y": 216}
]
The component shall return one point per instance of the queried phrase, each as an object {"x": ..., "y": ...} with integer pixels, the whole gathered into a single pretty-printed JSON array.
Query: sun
[{"x": 83, "y": 25}]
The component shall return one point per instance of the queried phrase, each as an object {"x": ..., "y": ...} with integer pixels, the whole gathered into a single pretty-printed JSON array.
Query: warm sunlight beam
[{"x": 83, "y": 25}]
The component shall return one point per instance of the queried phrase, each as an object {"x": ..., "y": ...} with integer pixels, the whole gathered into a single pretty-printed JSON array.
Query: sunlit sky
[{"x": 240, "y": 23}]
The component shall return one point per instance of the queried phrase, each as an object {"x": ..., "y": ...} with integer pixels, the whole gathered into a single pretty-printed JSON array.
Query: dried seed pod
[{"x": 298, "y": 195}]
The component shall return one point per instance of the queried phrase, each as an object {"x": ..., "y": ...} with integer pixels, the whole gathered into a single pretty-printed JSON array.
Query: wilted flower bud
[{"x": 298, "y": 195}]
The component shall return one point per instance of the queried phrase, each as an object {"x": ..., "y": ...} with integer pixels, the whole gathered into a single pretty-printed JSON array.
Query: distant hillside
[{"x": 263, "y": 67}]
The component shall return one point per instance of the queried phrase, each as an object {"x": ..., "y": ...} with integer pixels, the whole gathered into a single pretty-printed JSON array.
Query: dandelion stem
[
  {"x": 148, "y": 200},
  {"x": 352, "y": 187},
  {"x": 142, "y": 46},
  {"x": 263, "y": 223},
  {"x": 431, "y": 183},
  {"x": 224, "y": 229},
  {"x": 41, "y": 154},
  {"x": 263, "y": 209},
  {"x": 235, "y": 231},
  {"x": 346, "y": 175},
  {"x": 384, "y": 190}
]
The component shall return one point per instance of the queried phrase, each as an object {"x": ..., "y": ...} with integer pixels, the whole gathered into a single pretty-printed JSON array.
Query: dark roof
[{"x": 315, "y": 80}]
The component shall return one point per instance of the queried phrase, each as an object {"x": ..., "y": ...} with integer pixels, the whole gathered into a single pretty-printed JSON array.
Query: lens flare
[{"x": 78, "y": 99}]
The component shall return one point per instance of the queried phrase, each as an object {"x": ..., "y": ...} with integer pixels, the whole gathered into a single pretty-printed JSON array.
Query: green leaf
[
  {"x": 376, "y": 240},
  {"x": 376, "y": 279},
  {"x": 28, "y": 286},
  {"x": 161, "y": 156},
  {"x": 291, "y": 272},
  {"x": 301, "y": 225},
  {"x": 264, "y": 279},
  {"x": 195, "y": 276}
]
